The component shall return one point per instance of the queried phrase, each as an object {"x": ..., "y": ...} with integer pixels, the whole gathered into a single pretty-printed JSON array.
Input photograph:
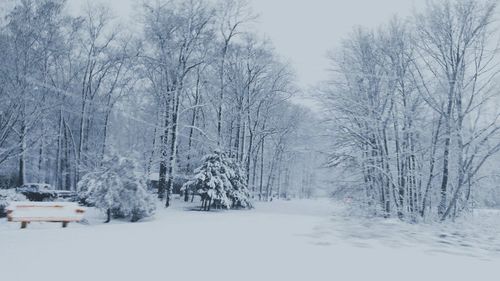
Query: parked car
[{"x": 44, "y": 192}]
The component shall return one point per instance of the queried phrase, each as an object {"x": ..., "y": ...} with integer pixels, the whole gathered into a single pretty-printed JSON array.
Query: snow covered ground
[{"x": 282, "y": 240}]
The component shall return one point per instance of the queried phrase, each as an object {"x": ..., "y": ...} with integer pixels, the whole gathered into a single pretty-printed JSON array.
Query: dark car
[{"x": 44, "y": 192}]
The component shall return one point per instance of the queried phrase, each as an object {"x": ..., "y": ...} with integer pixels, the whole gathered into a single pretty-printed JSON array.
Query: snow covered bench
[{"x": 26, "y": 212}]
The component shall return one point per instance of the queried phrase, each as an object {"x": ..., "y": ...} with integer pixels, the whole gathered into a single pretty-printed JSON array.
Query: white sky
[{"x": 303, "y": 31}]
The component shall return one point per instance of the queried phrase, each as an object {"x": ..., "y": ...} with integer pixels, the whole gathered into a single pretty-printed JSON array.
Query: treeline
[
  {"x": 414, "y": 110},
  {"x": 190, "y": 80}
]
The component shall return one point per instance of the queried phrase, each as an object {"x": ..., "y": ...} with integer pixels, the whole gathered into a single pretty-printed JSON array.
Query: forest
[
  {"x": 406, "y": 124},
  {"x": 191, "y": 79},
  {"x": 413, "y": 108}
]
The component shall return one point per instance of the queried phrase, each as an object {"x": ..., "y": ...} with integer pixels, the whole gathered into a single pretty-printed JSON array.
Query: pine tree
[{"x": 221, "y": 182}]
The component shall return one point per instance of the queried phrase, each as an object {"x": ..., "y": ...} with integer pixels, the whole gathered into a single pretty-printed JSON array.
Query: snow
[
  {"x": 43, "y": 211},
  {"x": 154, "y": 177},
  {"x": 475, "y": 235},
  {"x": 281, "y": 240}
]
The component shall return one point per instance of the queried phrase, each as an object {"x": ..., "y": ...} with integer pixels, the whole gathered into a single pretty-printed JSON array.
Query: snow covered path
[{"x": 297, "y": 240}]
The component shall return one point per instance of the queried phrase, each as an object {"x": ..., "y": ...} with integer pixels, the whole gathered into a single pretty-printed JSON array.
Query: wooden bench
[{"x": 26, "y": 212}]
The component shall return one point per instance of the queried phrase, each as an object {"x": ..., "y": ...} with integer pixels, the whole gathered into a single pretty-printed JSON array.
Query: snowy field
[{"x": 294, "y": 240}]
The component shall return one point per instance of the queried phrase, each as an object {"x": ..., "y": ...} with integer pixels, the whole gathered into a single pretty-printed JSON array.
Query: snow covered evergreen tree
[
  {"x": 220, "y": 181},
  {"x": 118, "y": 189}
]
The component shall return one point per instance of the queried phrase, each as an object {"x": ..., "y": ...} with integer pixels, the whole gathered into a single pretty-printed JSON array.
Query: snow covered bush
[
  {"x": 220, "y": 181},
  {"x": 7, "y": 196},
  {"x": 118, "y": 189}
]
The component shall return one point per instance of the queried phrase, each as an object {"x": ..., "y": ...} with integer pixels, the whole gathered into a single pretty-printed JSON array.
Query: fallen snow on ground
[
  {"x": 281, "y": 240},
  {"x": 476, "y": 235}
]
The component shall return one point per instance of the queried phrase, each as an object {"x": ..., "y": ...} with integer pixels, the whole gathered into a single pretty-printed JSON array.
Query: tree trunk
[
  {"x": 261, "y": 168},
  {"x": 108, "y": 215},
  {"x": 173, "y": 147},
  {"x": 162, "y": 180}
]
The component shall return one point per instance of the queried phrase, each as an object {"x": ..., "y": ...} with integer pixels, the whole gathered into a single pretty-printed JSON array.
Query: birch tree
[{"x": 409, "y": 108}]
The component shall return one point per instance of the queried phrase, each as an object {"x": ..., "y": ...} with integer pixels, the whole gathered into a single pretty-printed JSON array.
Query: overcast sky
[{"x": 304, "y": 30}]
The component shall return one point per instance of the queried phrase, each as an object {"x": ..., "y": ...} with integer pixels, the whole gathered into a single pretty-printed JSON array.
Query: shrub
[
  {"x": 118, "y": 189},
  {"x": 7, "y": 196}
]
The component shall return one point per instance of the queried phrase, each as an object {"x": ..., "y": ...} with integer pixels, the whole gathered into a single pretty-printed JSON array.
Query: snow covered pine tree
[
  {"x": 221, "y": 182},
  {"x": 118, "y": 189}
]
